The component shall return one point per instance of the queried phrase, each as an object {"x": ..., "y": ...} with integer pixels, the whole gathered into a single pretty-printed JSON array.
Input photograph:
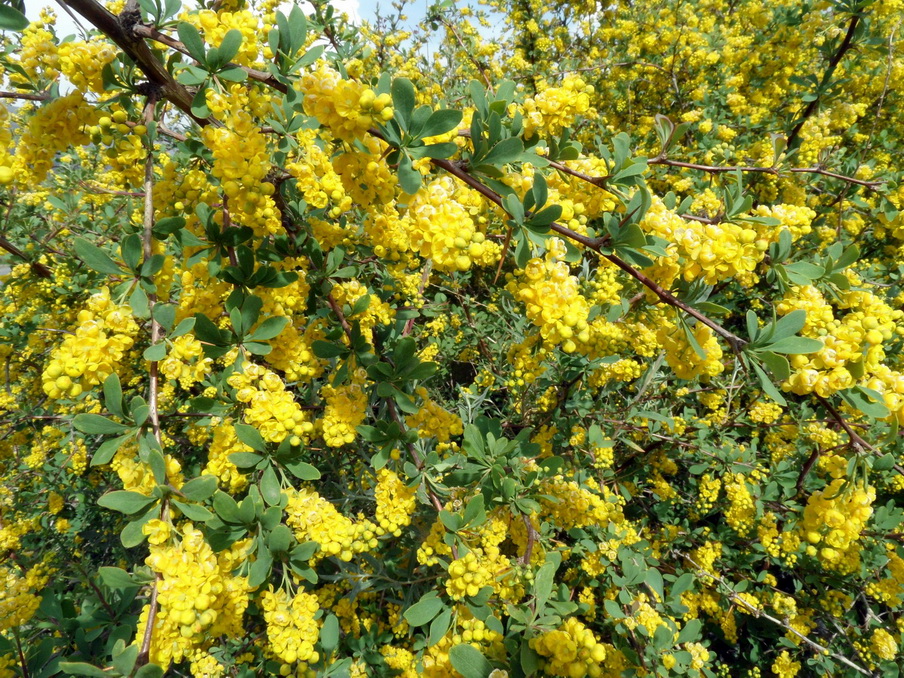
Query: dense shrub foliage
[{"x": 553, "y": 339}]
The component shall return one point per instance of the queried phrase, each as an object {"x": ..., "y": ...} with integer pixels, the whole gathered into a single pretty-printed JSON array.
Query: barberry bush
[{"x": 531, "y": 339}]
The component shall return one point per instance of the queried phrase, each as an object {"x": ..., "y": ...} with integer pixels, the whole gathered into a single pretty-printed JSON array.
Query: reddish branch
[
  {"x": 595, "y": 244},
  {"x": 833, "y": 63}
]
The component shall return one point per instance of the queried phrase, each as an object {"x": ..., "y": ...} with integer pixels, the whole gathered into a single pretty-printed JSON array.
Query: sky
[{"x": 356, "y": 10}]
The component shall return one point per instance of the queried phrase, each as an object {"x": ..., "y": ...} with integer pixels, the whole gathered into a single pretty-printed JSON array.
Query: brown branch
[
  {"x": 43, "y": 96},
  {"x": 595, "y": 244},
  {"x": 757, "y": 612},
  {"x": 121, "y": 30},
  {"x": 599, "y": 182},
  {"x": 805, "y": 469},
  {"x": 145, "y": 651},
  {"x": 260, "y": 76},
  {"x": 481, "y": 67},
  {"x": 110, "y": 191},
  {"x": 718, "y": 169},
  {"x": 39, "y": 269},
  {"x": 858, "y": 442},
  {"x": 833, "y": 63}
]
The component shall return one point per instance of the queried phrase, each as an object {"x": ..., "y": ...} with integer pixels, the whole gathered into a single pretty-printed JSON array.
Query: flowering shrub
[{"x": 572, "y": 352}]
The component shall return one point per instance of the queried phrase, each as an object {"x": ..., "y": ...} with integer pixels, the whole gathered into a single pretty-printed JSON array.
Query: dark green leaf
[
  {"x": 193, "y": 42},
  {"x": 95, "y": 423},
  {"x": 95, "y": 258},
  {"x": 200, "y": 488},
  {"x": 424, "y": 610},
  {"x": 12, "y": 19},
  {"x": 125, "y": 501},
  {"x": 469, "y": 662}
]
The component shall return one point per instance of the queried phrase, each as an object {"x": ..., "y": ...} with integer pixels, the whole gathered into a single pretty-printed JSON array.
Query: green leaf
[
  {"x": 766, "y": 383},
  {"x": 409, "y": 178},
  {"x": 149, "y": 671},
  {"x": 193, "y": 42},
  {"x": 439, "y": 626},
  {"x": 97, "y": 424},
  {"x": 271, "y": 490},
  {"x": 125, "y": 501},
  {"x": 229, "y": 47},
  {"x": 506, "y": 151},
  {"x": 12, "y": 19},
  {"x": 233, "y": 74},
  {"x": 268, "y": 329},
  {"x": 193, "y": 512},
  {"x": 326, "y": 350},
  {"x": 124, "y": 662},
  {"x": 303, "y": 470},
  {"x": 469, "y": 661},
  {"x": 155, "y": 352},
  {"x": 441, "y": 122},
  {"x": 116, "y": 578},
  {"x": 690, "y": 632},
  {"x": 547, "y": 216},
  {"x": 403, "y": 99},
  {"x": 95, "y": 258},
  {"x": 795, "y": 345},
  {"x": 200, "y": 488},
  {"x": 251, "y": 437},
  {"x": 329, "y": 633},
  {"x": 113, "y": 395},
  {"x": 789, "y": 325},
  {"x": 82, "y": 669},
  {"x": 777, "y": 364},
  {"x": 424, "y": 610},
  {"x": 108, "y": 450}
]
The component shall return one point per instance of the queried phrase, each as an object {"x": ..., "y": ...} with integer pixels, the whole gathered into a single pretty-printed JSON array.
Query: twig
[
  {"x": 40, "y": 269},
  {"x": 833, "y": 63},
  {"x": 145, "y": 651},
  {"x": 756, "y": 612},
  {"x": 43, "y": 96}
]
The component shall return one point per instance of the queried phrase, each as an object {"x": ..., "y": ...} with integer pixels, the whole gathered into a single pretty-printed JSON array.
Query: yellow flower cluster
[
  {"x": 833, "y": 520},
  {"x": 347, "y": 107},
  {"x": 292, "y": 630},
  {"x": 272, "y": 409},
  {"x": 54, "y": 127},
  {"x": 184, "y": 362},
  {"x": 883, "y": 644},
  {"x": 241, "y": 163},
  {"x": 346, "y": 409},
  {"x": 467, "y": 575},
  {"x": 313, "y": 518},
  {"x": 82, "y": 62},
  {"x": 224, "y": 443},
  {"x": 380, "y": 186},
  {"x": 293, "y": 353},
  {"x": 84, "y": 359},
  {"x": 568, "y": 505},
  {"x": 378, "y": 311},
  {"x": 681, "y": 356},
  {"x": 198, "y": 596},
  {"x": 466, "y": 630},
  {"x": 741, "y": 512},
  {"x": 442, "y": 229},
  {"x": 396, "y": 503},
  {"x": 553, "y": 300},
  {"x": 432, "y": 420},
  {"x": 18, "y": 598},
  {"x": 555, "y": 108},
  {"x": 571, "y": 651},
  {"x": 708, "y": 252},
  {"x": 38, "y": 53},
  {"x": 215, "y": 26}
]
